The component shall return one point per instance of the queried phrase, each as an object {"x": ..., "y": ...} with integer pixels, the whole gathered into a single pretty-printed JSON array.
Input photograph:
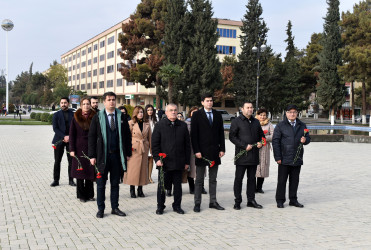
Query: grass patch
[{"x": 23, "y": 122}]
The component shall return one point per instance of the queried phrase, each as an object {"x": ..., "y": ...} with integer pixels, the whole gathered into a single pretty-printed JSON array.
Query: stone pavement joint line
[{"x": 334, "y": 188}]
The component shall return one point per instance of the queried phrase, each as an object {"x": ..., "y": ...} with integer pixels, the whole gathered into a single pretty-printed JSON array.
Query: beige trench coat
[
  {"x": 264, "y": 153},
  {"x": 137, "y": 167}
]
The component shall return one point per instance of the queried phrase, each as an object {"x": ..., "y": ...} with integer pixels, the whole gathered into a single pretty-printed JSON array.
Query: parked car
[{"x": 225, "y": 115}]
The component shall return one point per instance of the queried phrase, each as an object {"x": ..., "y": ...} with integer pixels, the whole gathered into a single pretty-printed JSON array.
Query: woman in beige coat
[
  {"x": 262, "y": 171},
  {"x": 137, "y": 167}
]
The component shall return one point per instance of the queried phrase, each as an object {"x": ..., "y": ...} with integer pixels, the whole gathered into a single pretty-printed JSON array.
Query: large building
[{"x": 93, "y": 66}]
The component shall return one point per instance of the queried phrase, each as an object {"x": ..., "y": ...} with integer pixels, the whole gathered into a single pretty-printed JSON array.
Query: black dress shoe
[
  {"x": 72, "y": 183},
  {"x": 197, "y": 208},
  {"x": 203, "y": 191},
  {"x": 237, "y": 206},
  {"x": 296, "y": 204},
  {"x": 54, "y": 184},
  {"x": 178, "y": 210},
  {"x": 91, "y": 199},
  {"x": 280, "y": 205},
  {"x": 100, "y": 214},
  {"x": 168, "y": 193},
  {"x": 159, "y": 211},
  {"x": 118, "y": 212},
  {"x": 191, "y": 191},
  {"x": 216, "y": 206},
  {"x": 259, "y": 191},
  {"x": 254, "y": 204}
]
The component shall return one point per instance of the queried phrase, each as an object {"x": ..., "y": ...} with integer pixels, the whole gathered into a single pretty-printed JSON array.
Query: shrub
[
  {"x": 44, "y": 117},
  {"x": 38, "y": 117},
  {"x": 33, "y": 115},
  {"x": 130, "y": 109},
  {"x": 50, "y": 118}
]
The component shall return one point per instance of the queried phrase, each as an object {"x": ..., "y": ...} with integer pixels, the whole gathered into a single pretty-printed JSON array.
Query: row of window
[
  {"x": 110, "y": 69},
  {"x": 101, "y": 58},
  {"x": 229, "y": 33},
  {"x": 226, "y": 50},
  {"x": 101, "y": 84}
]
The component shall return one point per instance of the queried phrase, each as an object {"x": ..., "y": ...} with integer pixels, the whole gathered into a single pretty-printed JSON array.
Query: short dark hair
[
  {"x": 262, "y": 110},
  {"x": 206, "y": 95},
  {"x": 94, "y": 97},
  {"x": 245, "y": 102},
  {"x": 108, "y": 94},
  {"x": 65, "y": 98}
]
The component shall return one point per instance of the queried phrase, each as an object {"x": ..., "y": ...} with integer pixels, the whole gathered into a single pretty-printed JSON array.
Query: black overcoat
[
  {"x": 207, "y": 139},
  {"x": 174, "y": 142},
  {"x": 243, "y": 132}
]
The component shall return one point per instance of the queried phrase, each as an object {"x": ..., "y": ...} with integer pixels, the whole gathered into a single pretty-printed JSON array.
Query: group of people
[{"x": 108, "y": 143}]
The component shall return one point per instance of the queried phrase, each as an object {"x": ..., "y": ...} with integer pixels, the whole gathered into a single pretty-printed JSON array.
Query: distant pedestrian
[
  {"x": 53, "y": 107},
  {"x": 150, "y": 116}
]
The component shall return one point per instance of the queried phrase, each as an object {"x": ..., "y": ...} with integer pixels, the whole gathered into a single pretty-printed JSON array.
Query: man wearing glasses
[{"x": 288, "y": 139}]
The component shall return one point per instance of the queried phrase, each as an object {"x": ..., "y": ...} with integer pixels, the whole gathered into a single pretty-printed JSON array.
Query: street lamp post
[
  {"x": 7, "y": 25},
  {"x": 260, "y": 48}
]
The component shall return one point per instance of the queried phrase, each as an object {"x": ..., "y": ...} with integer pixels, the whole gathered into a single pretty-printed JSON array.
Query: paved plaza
[{"x": 334, "y": 187}]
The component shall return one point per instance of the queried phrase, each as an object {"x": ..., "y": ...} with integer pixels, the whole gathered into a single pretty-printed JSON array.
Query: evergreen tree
[
  {"x": 290, "y": 43},
  {"x": 254, "y": 29},
  {"x": 331, "y": 90},
  {"x": 202, "y": 67}
]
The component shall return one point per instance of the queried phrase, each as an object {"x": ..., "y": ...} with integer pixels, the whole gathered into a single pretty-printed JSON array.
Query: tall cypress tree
[
  {"x": 202, "y": 66},
  {"x": 253, "y": 29},
  {"x": 331, "y": 91}
]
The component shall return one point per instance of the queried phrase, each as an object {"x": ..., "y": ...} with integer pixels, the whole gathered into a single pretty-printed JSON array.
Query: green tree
[
  {"x": 254, "y": 29},
  {"x": 331, "y": 90},
  {"x": 202, "y": 67},
  {"x": 170, "y": 74},
  {"x": 61, "y": 90},
  {"x": 57, "y": 74},
  {"x": 356, "y": 30}
]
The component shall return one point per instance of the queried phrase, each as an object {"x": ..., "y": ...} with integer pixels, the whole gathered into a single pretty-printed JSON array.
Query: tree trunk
[
  {"x": 332, "y": 116},
  {"x": 170, "y": 91},
  {"x": 364, "y": 103},
  {"x": 352, "y": 92},
  {"x": 341, "y": 116}
]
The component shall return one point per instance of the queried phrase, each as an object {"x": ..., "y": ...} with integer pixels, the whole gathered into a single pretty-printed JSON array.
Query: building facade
[{"x": 94, "y": 65}]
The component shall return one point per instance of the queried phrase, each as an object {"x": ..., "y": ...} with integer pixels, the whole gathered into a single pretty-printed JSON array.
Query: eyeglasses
[
  {"x": 173, "y": 110},
  {"x": 292, "y": 113}
]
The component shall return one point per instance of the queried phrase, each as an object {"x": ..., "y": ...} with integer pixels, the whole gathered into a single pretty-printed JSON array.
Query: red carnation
[
  {"x": 306, "y": 131},
  {"x": 54, "y": 146},
  {"x": 265, "y": 132},
  {"x": 79, "y": 169},
  {"x": 212, "y": 164},
  {"x": 99, "y": 176},
  {"x": 264, "y": 141},
  {"x": 162, "y": 155}
]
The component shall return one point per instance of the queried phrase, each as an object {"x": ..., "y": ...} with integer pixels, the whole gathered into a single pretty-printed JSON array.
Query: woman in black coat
[{"x": 79, "y": 131}]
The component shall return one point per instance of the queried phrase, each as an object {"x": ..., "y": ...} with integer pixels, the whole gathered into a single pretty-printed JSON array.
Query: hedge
[
  {"x": 44, "y": 117},
  {"x": 38, "y": 117},
  {"x": 50, "y": 119},
  {"x": 33, "y": 115}
]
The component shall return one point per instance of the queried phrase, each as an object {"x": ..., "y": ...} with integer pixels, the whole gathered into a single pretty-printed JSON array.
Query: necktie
[
  {"x": 112, "y": 123},
  {"x": 210, "y": 119},
  {"x": 172, "y": 124},
  {"x": 293, "y": 124}
]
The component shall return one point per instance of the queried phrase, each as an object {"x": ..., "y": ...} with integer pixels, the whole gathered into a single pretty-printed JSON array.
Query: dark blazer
[
  {"x": 206, "y": 139},
  {"x": 174, "y": 142},
  {"x": 286, "y": 141},
  {"x": 59, "y": 125},
  {"x": 96, "y": 147},
  {"x": 243, "y": 132}
]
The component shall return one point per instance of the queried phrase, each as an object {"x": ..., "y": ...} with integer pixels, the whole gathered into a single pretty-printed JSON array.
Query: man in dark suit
[
  {"x": 61, "y": 126},
  {"x": 109, "y": 145},
  {"x": 288, "y": 136},
  {"x": 171, "y": 137},
  {"x": 94, "y": 103},
  {"x": 207, "y": 136}
]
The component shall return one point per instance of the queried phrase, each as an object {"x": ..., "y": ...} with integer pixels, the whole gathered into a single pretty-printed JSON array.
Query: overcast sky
[{"x": 45, "y": 29}]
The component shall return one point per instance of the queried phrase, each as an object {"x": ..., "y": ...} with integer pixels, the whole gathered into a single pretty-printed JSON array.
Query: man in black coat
[
  {"x": 109, "y": 145},
  {"x": 170, "y": 136},
  {"x": 288, "y": 136},
  {"x": 94, "y": 103},
  {"x": 61, "y": 127},
  {"x": 207, "y": 136},
  {"x": 244, "y": 133}
]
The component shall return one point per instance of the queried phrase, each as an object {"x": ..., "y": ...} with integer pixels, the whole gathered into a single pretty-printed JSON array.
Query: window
[
  {"x": 89, "y": 62},
  {"x": 94, "y": 85},
  {"x": 83, "y": 75},
  {"x": 109, "y": 83},
  {"x": 89, "y": 50},
  {"x": 95, "y": 47},
  {"x": 110, "y": 54},
  {"x": 119, "y": 83},
  {"x": 94, "y": 72},
  {"x": 69, "y": 78},
  {"x": 82, "y": 86},
  {"x": 229, "y": 104},
  {"x": 69, "y": 59},
  {"x": 111, "y": 40},
  {"x": 78, "y": 87},
  {"x": 89, "y": 73},
  {"x": 74, "y": 56},
  {"x": 101, "y": 58},
  {"x": 83, "y": 64},
  {"x": 95, "y": 59},
  {"x": 110, "y": 69},
  {"x": 101, "y": 44},
  {"x": 83, "y": 54},
  {"x": 78, "y": 66},
  {"x": 73, "y": 67},
  {"x": 119, "y": 66},
  {"x": 78, "y": 76},
  {"x": 101, "y": 84},
  {"x": 119, "y": 51},
  {"x": 78, "y": 55},
  {"x": 229, "y": 33},
  {"x": 130, "y": 83},
  {"x": 101, "y": 71},
  {"x": 69, "y": 68},
  {"x": 217, "y": 104},
  {"x": 73, "y": 77},
  {"x": 226, "y": 50},
  {"x": 88, "y": 86}
]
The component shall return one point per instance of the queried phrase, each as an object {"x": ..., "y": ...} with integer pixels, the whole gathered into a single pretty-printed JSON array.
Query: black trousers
[
  {"x": 173, "y": 177},
  {"x": 259, "y": 183},
  {"x": 58, "y": 154},
  {"x": 250, "y": 186},
  {"x": 113, "y": 167},
  {"x": 84, "y": 189},
  {"x": 284, "y": 172}
]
